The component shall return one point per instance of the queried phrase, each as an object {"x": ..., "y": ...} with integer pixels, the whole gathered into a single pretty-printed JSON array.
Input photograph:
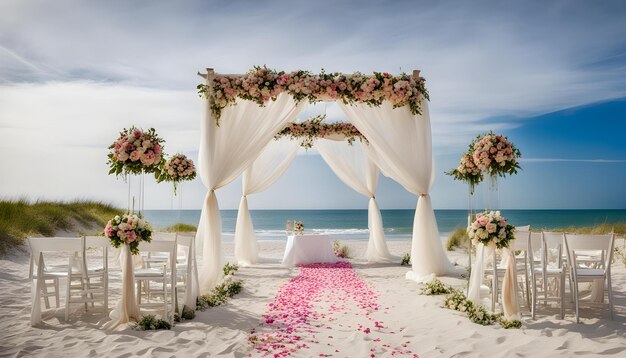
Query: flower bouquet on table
[
  {"x": 298, "y": 227},
  {"x": 136, "y": 151},
  {"x": 176, "y": 169},
  {"x": 128, "y": 229},
  {"x": 491, "y": 229}
]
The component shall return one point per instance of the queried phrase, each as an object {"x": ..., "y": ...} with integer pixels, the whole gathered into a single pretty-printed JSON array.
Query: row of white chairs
[
  {"x": 554, "y": 258},
  {"x": 86, "y": 270}
]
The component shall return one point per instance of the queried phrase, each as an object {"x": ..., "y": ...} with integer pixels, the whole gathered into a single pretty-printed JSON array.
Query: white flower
[{"x": 141, "y": 223}]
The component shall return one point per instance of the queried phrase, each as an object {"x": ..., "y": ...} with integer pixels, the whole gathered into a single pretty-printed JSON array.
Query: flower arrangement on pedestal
[
  {"x": 136, "y": 151},
  {"x": 491, "y": 229},
  {"x": 128, "y": 229},
  {"x": 176, "y": 169},
  {"x": 261, "y": 84},
  {"x": 298, "y": 227},
  {"x": 490, "y": 153},
  {"x": 314, "y": 128}
]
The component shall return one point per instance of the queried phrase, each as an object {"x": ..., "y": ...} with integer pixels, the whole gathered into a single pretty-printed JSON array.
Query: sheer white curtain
[
  {"x": 401, "y": 146},
  {"x": 352, "y": 165},
  {"x": 225, "y": 152},
  {"x": 264, "y": 171}
]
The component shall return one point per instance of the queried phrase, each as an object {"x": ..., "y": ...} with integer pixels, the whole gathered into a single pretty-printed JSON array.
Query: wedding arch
[{"x": 244, "y": 114}]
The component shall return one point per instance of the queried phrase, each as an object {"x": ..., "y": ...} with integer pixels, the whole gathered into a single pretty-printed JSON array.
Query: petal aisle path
[{"x": 320, "y": 310}]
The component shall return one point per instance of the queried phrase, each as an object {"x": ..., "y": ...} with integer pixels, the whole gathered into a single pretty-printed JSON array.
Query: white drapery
[
  {"x": 477, "y": 292},
  {"x": 400, "y": 144},
  {"x": 225, "y": 152},
  {"x": 264, "y": 171},
  {"x": 352, "y": 165}
]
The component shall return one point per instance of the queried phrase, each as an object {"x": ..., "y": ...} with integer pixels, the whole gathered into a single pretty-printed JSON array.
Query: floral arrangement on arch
[
  {"x": 314, "y": 128},
  {"x": 136, "y": 151},
  {"x": 128, "y": 229},
  {"x": 491, "y": 229},
  {"x": 490, "y": 153},
  {"x": 176, "y": 169},
  {"x": 298, "y": 227},
  {"x": 262, "y": 84}
]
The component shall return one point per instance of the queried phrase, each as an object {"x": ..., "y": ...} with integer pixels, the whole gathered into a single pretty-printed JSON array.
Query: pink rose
[
  {"x": 108, "y": 230},
  {"x": 483, "y": 220},
  {"x": 130, "y": 236},
  {"x": 157, "y": 148},
  {"x": 491, "y": 228},
  {"x": 137, "y": 133},
  {"x": 134, "y": 156}
]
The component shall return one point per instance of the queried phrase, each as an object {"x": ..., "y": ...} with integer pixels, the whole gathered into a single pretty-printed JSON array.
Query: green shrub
[
  {"x": 151, "y": 323},
  {"x": 457, "y": 238},
  {"x": 180, "y": 227},
  {"x": 435, "y": 287},
  {"x": 230, "y": 268},
  {"x": 406, "y": 260}
]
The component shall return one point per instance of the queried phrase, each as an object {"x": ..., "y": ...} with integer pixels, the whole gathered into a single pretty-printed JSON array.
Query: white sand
[{"x": 222, "y": 332}]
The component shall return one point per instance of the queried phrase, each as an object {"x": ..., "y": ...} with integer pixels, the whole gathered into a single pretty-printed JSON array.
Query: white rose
[
  {"x": 141, "y": 223},
  {"x": 117, "y": 218}
]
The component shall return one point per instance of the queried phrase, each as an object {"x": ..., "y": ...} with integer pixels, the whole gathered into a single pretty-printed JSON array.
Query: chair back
[
  {"x": 535, "y": 248},
  {"x": 160, "y": 235},
  {"x": 521, "y": 240},
  {"x": 100, "y": 243},
  {"x": 39, "y": 245},
  {"x": 577, "y": 242},
  {"x": 553, "y": 248},
  {"x": 162, "y": 245},
  {"x": 522, "y": 228}
]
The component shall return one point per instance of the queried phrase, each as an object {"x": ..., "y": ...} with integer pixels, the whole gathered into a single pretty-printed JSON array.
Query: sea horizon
[{"x": 398, "y": 223}]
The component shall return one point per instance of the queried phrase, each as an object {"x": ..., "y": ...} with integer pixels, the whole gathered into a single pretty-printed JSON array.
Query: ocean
[{"x": 352, "y": 224}]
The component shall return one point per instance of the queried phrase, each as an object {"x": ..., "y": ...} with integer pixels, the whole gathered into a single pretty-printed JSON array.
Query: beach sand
[{"x": 416, "y": 321}]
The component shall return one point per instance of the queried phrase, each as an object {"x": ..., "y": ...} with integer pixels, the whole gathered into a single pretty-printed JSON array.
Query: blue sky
[{"x": 550, "y": 75}]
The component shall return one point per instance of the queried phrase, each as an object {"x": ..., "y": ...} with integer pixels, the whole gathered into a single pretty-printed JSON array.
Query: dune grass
[
  {"x": 457, "y": 238},
  {"x": 618, "y": 228},
  {"x": 180, "y": 227},
  {"x": 22, "y": 218}
]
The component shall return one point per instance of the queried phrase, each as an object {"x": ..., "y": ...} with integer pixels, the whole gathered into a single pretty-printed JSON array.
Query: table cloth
[{"x": 308, "y": 249}]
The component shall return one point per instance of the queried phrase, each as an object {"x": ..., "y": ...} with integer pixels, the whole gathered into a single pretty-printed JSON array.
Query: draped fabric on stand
[
  {"x": 225, "y": 152},
  {"x": 400, "y": 144},
  {"x": 264, "y": 171},
  {"x": 352, "y": 165}
]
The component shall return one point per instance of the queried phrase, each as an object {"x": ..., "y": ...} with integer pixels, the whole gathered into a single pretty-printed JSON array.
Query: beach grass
[
  {"x": 618, "y": 228},
  {"x": 457, "y": 238},
  {"x": 180, "y": 227},
  {"x": 22, "y": 218}
]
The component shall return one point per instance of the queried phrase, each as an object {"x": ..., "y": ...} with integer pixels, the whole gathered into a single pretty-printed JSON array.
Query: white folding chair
[
  {"x": 43, "y": 246},
  {"x": 552, "y": 271},
  {"x": 578, "y": 244},
  {"x": 166, "y": 274},
  {"x": 92, "y": 277},
  {"x": 535, "y": 261}
]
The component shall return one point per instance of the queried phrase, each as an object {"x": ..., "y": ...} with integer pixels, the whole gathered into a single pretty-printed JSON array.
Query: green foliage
[
  {"x": 151, "y": 323},
  {"x": 22, "y": 218},
  {"x": 188, "y": 313},
  {"x": 457, "y": 238},
  {"x": 313, "y": 128},
  {"x": 180, "y": 227},
  {"x": 406, "y": 260},
  {"x": 230, "y": 268},
  {"x": 435, "y": 287},
  {"x": 618, "y": 228},
  {"x": 478, "y": 314},
  {"x": 222, "y": 292},
  {"x": 340, "y": 250}
]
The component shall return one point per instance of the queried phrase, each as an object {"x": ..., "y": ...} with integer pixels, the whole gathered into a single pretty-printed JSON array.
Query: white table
[{"x": 308, "y": 249}]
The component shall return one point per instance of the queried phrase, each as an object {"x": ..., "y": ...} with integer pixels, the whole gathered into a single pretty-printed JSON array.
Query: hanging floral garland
[
  {"x": 313, "y": 128},
  {"x": 136, "y": 151},
  {"x": 262, "y": 84},
  {"x": 176, "y": 169},
  {"x": 490, "y": 153}
]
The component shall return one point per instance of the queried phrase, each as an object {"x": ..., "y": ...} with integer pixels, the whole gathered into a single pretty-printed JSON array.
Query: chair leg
[
  {"x": 56, "y": 293},
  {"x": 45, "y": 294},
  {"x": 67, "y": 298},
  {"x": 576, "y": 301},
  {"x": 527, "y": 288},
  {"x": 610, "y": 291},
  {"x": 562, "y": 293},
  {"x": 533, "y": 307}
]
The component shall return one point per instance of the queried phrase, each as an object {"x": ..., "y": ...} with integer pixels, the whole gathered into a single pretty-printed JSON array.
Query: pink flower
[
  {"x": 130, "y": 236},
  {"x": 108, "y": 230},
  {"x": 491, "y": 228},
  {"x": 157, "y": 148},
  {"x": 137, "y": 133},
  {"x": 134, "y": 156},
  {"x": 483, "y": 220}
]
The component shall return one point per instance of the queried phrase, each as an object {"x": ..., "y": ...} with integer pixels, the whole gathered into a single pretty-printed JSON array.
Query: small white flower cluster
[
  {"x": 476, "y": 313},
  {"x": 435, "y": 287},
  {"x": 491, "y": 229},
  {"x": 298, "y": 227}
]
